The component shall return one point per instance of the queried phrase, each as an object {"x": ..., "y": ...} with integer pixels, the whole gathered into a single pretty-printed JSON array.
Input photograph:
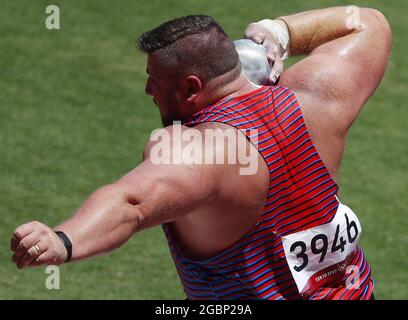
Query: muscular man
[{"x": 279, "y": 233}]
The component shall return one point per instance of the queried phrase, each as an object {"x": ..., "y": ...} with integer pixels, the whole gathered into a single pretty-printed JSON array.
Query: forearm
[
  {"x": 103, "y": 223},
  {"x": 309, "y": 30}
]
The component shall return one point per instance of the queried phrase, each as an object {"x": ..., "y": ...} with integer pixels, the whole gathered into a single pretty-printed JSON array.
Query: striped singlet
[{"x": 301, "y": 195}]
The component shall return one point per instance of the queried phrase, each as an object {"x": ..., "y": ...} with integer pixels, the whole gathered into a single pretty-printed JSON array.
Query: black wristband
[{"x": 67, "y": 244}]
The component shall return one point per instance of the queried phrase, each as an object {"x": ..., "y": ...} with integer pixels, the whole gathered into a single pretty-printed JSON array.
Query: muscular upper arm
[
  {"x": 165, "y": 192},
  {"x": 163, "y": 186},
  {"x": 166, "y": 187},
  {"x": 340, "y": 75}
]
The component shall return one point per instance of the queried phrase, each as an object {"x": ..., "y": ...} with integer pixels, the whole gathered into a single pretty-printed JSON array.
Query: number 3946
[{"x": 319, "y": 244}]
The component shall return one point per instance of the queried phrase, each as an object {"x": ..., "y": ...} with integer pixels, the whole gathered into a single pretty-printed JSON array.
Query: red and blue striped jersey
[{"x": 301, "y": 195}]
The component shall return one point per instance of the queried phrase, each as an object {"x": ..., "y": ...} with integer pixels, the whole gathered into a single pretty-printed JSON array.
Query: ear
[{"x": 193, "y": 88}]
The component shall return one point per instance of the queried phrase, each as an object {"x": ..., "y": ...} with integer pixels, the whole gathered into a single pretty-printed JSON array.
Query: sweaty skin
[{"x": 211, "y": 207}]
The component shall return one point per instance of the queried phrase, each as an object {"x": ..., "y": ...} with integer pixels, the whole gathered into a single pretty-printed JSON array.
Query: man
[{"x": 278, "y": 233}]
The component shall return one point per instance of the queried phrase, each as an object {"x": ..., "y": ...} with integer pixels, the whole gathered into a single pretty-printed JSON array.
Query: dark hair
[{"x": 196, "y": 44}]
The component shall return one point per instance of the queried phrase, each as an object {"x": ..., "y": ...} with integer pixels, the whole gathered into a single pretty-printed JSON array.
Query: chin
[
  {"x": 166, "y": 123},
  {"x": 170, "y": 122}
]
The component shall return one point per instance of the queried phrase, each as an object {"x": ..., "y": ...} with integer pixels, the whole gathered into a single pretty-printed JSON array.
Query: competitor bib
[{"x": 320, "y": 255}]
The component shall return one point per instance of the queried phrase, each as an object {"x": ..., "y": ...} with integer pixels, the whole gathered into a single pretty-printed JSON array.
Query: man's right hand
[
  {"x": 35, "y": 244},
  {"x": 261, "y": 35}
]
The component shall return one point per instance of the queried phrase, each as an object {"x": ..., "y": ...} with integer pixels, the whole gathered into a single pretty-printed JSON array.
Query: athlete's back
[{"x": 304, "y": 240}]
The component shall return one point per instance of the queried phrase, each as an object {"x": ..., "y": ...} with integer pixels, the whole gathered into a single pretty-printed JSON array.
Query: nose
[{"x": 148, "y": 88}]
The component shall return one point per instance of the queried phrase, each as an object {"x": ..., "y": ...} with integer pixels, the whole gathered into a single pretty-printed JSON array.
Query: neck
[{"x": 226, "y": 86}]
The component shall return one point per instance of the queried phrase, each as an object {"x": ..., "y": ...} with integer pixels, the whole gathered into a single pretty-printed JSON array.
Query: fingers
[
  {"x": 275, "y": 60},
  {"x": 257, "y": 37},
  {"x": 277, "y": 70},
  {"x": 24, "y": 245},
  {"x": 31, "y": 254},
  {"x": 35, "y": 244},
  {"x": 261, "y": 36},
  {"x": 20, "y": 233},
  {"x": 44, "y": 259}
]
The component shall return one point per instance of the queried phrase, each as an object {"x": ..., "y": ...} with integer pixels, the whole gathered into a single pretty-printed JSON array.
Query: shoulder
[
  {"x": 201, "y": 135},
  {"x": 213, "y": 148},
  {"x": 323, "y": 97},
  {"x": 166, "y": 139}
]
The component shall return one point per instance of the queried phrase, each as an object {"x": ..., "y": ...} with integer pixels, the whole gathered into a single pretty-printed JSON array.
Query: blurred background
[{"x": 74, "y": 116}]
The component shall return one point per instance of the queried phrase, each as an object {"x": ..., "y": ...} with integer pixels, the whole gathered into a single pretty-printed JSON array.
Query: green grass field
[{"x": 73, "y": 116}]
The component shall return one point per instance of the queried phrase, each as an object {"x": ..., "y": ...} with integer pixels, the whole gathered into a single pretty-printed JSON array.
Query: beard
[
  {"x": 166, "y": 122},
  {"x": 169, "y": 120},
  {"x": 172, "y": 115}
]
